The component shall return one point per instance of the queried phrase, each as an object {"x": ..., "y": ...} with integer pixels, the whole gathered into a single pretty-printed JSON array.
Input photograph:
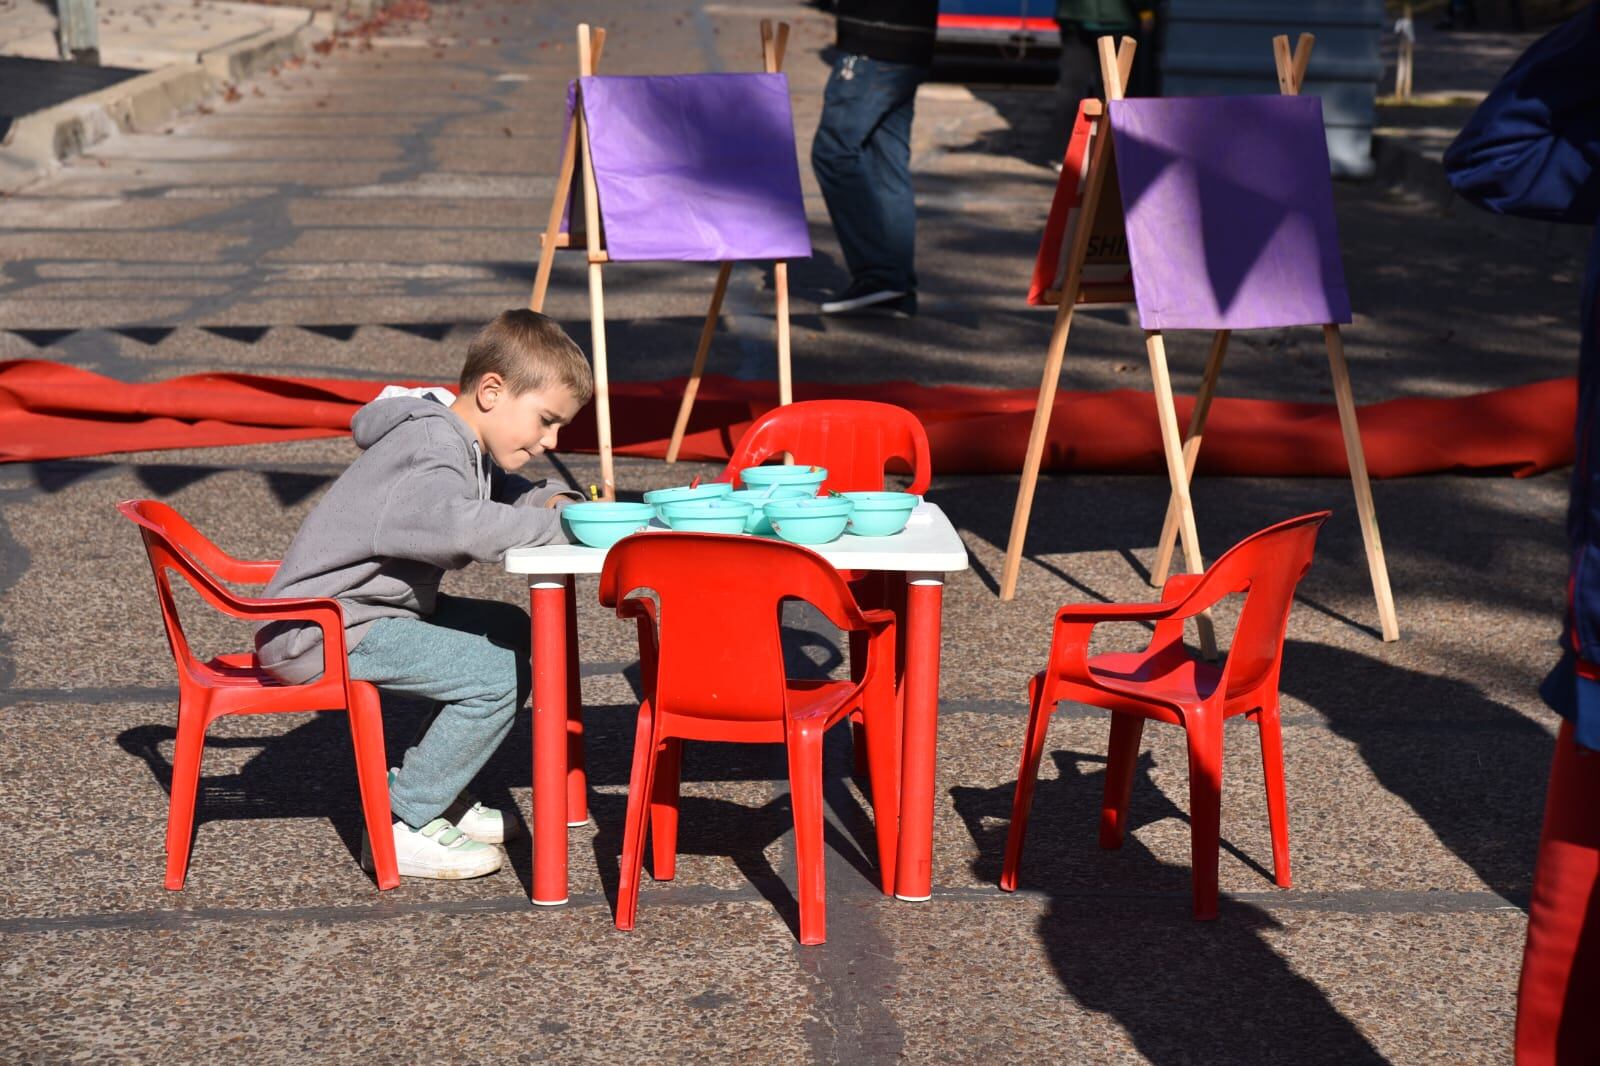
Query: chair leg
[
  {"x": 1122, "y": 756},
  {"x": 805, "y": 794},
  {"x": 185, "y": 785},
  {"x": 1277, "y": 801},
  {"x": 372, "y": 777},
  {"x": 860, "y": 763},
  {"x": 1205, "y": 809},
  {"x": 1041, "y": 705},
  {"x": 664, "y": 809},
  {"x": 883, "y": 757},
  {"x": 636, "y": 824}
]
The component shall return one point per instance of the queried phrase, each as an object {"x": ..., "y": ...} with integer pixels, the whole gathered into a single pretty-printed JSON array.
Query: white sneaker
[
  {"x": 486, "y": 825},
  {"x": 864, "y": 298},
  {"x": 438, "y": 850},
  {"x": 483, "y": 824}
]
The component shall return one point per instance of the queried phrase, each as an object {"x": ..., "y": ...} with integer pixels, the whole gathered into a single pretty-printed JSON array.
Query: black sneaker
[{"x": 865, "y": 299}]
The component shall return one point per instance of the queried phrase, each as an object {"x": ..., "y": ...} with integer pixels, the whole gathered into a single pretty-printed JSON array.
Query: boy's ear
[{"x": 491, "y": 387}]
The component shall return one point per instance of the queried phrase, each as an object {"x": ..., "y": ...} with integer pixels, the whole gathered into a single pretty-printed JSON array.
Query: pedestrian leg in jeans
[
  {"x": 871, "y": 221},
  {"x": 1078, "y": 79}
]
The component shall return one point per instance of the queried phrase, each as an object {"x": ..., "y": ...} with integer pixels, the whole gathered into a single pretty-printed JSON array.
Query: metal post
[{"x": 80, "y": 31}]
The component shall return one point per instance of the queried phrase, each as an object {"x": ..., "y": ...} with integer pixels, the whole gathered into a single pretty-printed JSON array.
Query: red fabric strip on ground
[{"x": 52, "y": 411}]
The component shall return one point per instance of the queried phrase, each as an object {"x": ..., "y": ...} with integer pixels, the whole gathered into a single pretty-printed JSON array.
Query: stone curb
[
  {"x": 37, "y": 143},
  {"x": 1414, "y": 173}
]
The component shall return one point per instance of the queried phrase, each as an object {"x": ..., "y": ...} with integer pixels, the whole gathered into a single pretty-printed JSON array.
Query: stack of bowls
[
  {"x": 813, "y": 520},
  {"x": 795, "y": 477},
  {"x": 759, "y": 498},
  {"x": 659, "y": 498},
  {"x": 718, "y": 514}
]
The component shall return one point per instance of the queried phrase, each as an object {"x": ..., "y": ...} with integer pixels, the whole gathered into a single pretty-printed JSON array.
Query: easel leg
[
  {"x": 1036, "y": 438},
  {"x": 693, "y": 387},
  {"x": 547, "y": 244},
  {"x": 780, "y": 281},
  {"x": 1167, "y": 416},
  {"x": 1191, "y": 453},
  {"x": 602, "y": 386},
  {"x": 1357, "y": 458}
]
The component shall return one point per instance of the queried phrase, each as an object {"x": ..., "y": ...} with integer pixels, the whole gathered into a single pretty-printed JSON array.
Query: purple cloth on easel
[
  {"x": 1229, "y": 209},
  {"x": 696, "y": 167}
]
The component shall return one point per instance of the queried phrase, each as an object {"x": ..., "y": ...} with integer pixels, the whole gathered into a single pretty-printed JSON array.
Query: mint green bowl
[
  {"x": 657, "y": 498},
  {"x": 759, "y": 498},
  {"x": 814, "y": 520},
  {"x": 880, "y": 514},
  {"x": 707, "y": 516},
  {"x": 797, "y": 476},
  {"x": 602, "y": 524}
]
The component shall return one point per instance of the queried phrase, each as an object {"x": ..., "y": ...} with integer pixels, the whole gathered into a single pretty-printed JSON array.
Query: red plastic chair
[
  {"x": 854, "y": 439},
  {"x": 716, "y": 673},
  {"x": 1165, "y": 683},
  {"x": 237, "y": 683}
]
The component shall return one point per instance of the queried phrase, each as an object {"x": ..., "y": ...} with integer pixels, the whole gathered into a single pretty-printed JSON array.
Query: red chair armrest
[
  {"x": 1179, "y": 588},
  {"x": 325, "y": 614},
  {"x": 1069, "y": 650},
  {"x": 880, "y": 671},
  {"x": 644, "y": 612},
  {"x": 246, "y": 571},
  {"x": 877, "y": 619}
]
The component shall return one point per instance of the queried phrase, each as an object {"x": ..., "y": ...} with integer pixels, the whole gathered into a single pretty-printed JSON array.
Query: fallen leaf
[{"x": 506, "y": 130}]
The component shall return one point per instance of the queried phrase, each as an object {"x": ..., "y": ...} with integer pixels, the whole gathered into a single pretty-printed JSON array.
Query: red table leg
[
  {"x": 577, "y": 779},
  {"x": 547, "y": 603},
  {"x": 919, "y": 741}
]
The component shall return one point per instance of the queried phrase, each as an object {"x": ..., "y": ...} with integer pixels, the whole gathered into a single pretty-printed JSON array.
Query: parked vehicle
[{"x": 1009, "y": 29}]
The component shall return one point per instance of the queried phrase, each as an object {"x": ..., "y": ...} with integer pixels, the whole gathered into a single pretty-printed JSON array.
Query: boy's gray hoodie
[{"x": 420, "y": 500}]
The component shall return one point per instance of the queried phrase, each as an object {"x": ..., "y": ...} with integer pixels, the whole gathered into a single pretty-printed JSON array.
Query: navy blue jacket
[{"x": 1533, "y": 149}]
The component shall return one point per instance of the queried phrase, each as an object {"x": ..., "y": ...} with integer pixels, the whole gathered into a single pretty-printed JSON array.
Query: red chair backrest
[
  {"x": 172, "y": 544},
  {"x": 720, "y": 653},
  {"x": 854, "y": 439},
  {"x": 1266, "y": 567}
]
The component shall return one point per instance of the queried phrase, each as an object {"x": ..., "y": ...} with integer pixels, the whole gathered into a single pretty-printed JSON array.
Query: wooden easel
[
  {"x": 587, "y": 228},
  {"x": 590, "y": 45},
  {"x": 772, "y": 49},
  {"x": 1181, "y": 454}
]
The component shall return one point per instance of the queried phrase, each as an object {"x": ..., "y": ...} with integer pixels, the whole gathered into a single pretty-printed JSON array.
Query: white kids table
[{"x": 926, "y": 550}]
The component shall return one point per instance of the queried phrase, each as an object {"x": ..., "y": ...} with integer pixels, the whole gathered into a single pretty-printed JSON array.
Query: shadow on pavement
[{"x": 1185, "y": 991}]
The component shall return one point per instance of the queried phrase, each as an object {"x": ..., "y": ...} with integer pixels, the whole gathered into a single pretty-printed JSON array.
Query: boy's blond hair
[{"x": 530, "y": 351}]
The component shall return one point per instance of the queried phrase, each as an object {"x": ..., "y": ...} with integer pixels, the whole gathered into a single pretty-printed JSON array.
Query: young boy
[{"x": 430, "y": 493}]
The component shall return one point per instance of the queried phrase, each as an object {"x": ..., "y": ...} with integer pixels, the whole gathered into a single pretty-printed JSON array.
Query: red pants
[{"x": 1558, "y": 1002}]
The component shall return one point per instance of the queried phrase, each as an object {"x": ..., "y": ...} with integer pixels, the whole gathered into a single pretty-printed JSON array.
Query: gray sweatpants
[{"x": 471, "y": 657}]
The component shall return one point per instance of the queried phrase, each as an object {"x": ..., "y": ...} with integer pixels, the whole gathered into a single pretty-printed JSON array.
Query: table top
[{"x": 928, "y": 544}]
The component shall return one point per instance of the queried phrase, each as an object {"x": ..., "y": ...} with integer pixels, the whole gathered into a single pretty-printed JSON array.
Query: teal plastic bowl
[
  {"x": 657, "y": 498},
  {"x": 797, "y": 476},
  {"x": 707, "y": 516},
  {"x": 880, "y": 514},
  {"x": 815, "y": 520},
  {"x": 602, "y": 524},
  {"x": 759, "y": 498}
]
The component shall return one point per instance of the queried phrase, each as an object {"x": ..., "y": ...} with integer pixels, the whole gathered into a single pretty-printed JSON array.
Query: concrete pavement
[{"x": 358, "y": 217}]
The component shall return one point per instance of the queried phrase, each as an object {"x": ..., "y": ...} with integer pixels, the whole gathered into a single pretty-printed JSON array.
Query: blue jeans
[
  {"x": 862, "y": 159},
  {"x": 471, "y": 658}
]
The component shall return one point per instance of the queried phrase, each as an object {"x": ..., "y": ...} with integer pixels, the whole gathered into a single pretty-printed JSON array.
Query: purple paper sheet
[
  {"x": 1229, "y": 209},
  {"x": 696, "y": 167}
]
